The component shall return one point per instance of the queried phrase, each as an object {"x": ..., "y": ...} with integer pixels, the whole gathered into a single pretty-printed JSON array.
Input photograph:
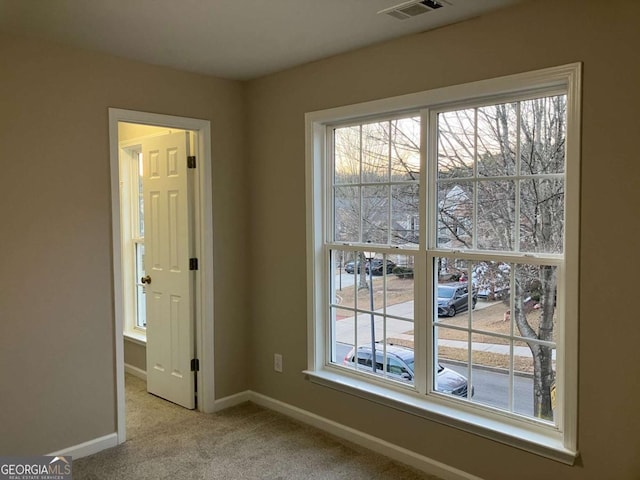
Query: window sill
[
  {"x": 135, "y": 337},
  {"x": 547, "y": 445}
]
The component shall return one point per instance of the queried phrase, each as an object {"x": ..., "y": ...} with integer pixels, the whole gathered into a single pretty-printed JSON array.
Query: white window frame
[{"x": 559, "y": 443}]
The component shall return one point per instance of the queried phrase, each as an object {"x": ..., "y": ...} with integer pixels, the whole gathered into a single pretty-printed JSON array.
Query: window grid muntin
[
  {"x": 362, "y": 185},
  {"x": 513, "y": 337},
  {"x": 140, "y": 322},
  {"x": 365, "y": 310},
  {"x": 476, "y": 254},
  {"x": 475, "y": 179},
  {"x": 563, "y": 79}
]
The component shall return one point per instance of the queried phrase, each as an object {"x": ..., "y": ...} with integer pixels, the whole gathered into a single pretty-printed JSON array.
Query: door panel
[{"x": 170, "y": 326}]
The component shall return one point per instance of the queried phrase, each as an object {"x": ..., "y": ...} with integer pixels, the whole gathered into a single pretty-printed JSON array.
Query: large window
[{"x": 443, "y": 253}]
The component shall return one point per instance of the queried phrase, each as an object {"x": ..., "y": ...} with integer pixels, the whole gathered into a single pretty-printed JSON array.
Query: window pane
[
  {"x": 400, "y": 292},
  {"x": 542, "y": 215},
  {"x": 376, "y": 175},
  {"x": 497, "y": 139},
  {"x": 491, "y": 317},
  {"x": 451, "y": 271},
  {"x": 455, "y": 215},
  {"x": 503, "y": 215},
  {"x": 346, "y": 278},
  {"x": 398, "y": 364},
  {"x": 490, "y": 371},
  {"x": 533, "y": 314},
  {"x": 405, "y": 149},
  {"x": 496, "y": 214},
  {"x": 141, "y": 304},
  {"x": 534, "y": 301},
  {"x": 543, "y": 135},
  {"x": 456, "y": 143},
  {"x": 373, "y": 293},
  {"x": 140, "y": 194},
  {"x": 527, "y": 400},
  {"x": 371, "y": 298},
  {"x": 454, "y": 298},
  {"x": 509, "y": 336},
  {"x": 405, "y": 214},
  {"x": 523, "y": 379},
  {"x": 492, "y": 280},
  {"x": 367, "y": 324},
  {"x": 375, "y": 152},
  {"x": 343, "y": 329},
  {"x": 450, "y": 368},
  {"x": 347, "y": 214},
  {"x": 347, "y": 155},
  {"x": 375, "y": 214}
]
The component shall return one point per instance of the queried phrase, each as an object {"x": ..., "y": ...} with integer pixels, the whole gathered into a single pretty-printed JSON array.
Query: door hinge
[
  {"x": 195, "y": 365},
  {"x": 193, "y": 264},
  {"x": 191, "y": 161}
]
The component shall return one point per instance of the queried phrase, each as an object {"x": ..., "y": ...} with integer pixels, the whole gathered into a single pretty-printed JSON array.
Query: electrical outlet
[{"x": 277, "y": 362}]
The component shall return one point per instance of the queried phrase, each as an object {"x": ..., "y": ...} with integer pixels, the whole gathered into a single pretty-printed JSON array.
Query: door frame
[{"x": 203, "y": 233}]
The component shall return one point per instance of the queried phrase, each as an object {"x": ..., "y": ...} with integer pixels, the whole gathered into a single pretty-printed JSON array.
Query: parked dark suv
[
  {"x": 454, "y": 298},
  {"x": 400, "y": 367},
  {"x": 377, "y": 266}
]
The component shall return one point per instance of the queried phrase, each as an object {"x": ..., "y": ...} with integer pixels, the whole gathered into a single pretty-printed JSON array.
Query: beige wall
[
  {"x": 56, "y": 285},
  {"x": 135, "y": 354},
  {"x": 534, "y": 35}
]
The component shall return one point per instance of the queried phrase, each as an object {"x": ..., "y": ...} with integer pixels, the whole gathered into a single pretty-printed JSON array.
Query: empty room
[{"x": 367, "y": 235}]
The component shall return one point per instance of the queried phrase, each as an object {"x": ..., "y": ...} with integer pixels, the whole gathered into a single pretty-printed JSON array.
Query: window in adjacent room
[{"x": 132, "y": 226}]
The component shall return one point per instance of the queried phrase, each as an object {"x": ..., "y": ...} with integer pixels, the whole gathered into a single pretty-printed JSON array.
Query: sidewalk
[
  {"x": 486, "y": 347},
  {"x": 403, "y": 330}
]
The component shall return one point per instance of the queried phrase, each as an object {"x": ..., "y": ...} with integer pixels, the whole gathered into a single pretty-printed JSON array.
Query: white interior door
[{"x": 170, "y": 326}]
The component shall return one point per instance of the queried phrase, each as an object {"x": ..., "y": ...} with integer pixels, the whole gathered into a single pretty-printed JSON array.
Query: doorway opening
[{"x": 163, "y": 288}]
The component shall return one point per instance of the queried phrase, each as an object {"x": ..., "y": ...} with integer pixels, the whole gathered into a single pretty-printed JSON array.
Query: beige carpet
[{"x": 243, "y": 442}]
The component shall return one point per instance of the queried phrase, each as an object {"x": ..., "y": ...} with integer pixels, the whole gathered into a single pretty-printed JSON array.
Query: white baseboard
[
  {"x": 88, "y": 448},
  {"x": 232, "y": 400},
  {"x": 135, "y": 371},
  {"x": 383, "y": 447}
]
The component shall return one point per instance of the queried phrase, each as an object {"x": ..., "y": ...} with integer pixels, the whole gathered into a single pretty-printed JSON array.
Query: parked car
[
  {"x": 454, "y": 298},
  {"x": 377, "y": 266},
  {"x": 400, "y": 364},
  {"x": 351, "y": 266}
]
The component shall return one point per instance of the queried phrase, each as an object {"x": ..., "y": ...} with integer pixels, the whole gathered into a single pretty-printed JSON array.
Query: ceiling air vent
[{"x": 413, "y": 8}]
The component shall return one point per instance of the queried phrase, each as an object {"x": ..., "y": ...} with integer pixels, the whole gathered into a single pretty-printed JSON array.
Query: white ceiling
[{"x": 239, "y": 39}]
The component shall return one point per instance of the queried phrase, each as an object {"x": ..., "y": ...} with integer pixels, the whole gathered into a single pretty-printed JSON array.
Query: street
[{"x": 490, "y": 387}]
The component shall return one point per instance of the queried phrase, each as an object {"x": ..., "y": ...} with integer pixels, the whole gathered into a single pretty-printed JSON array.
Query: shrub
[{"x": 403, "y": 271}]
